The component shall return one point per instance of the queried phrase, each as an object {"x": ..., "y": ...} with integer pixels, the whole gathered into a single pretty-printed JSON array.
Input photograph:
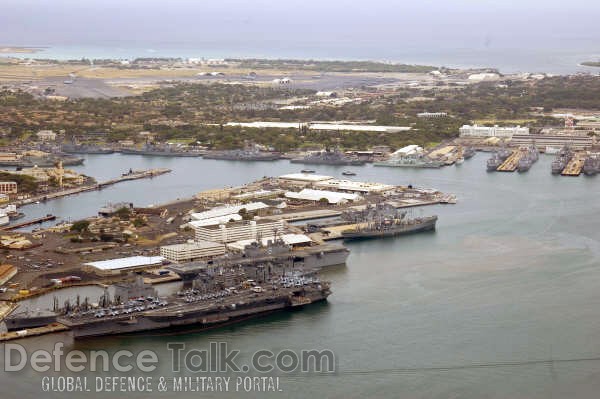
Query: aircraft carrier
[{"x": 197, "y": 308}]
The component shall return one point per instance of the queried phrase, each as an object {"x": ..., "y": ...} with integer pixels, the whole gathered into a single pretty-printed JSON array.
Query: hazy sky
[{"x": 456, "y": 23}]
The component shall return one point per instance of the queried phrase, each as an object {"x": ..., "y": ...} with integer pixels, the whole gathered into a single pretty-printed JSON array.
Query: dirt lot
[{"x": 38, "y": 265}]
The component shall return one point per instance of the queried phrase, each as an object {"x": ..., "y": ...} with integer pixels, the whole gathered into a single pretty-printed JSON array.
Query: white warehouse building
[
  {"x": 238, "y": 231},
  {"x": 494, "y": 131},
  {"x": 228, "y": 210},
  {"x": 332, "y": 197}
]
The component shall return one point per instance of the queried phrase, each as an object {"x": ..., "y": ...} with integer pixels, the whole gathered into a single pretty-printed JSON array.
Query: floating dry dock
[
  {"x": 511, "y": 163},
  {"x": 575, "y": 166}
]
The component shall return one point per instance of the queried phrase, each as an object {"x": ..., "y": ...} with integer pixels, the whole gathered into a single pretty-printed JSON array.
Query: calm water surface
[{"x": 501, "y": 301}]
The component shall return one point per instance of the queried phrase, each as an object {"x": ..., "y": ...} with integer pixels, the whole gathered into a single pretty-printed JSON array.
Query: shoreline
[
  {"x": 453, "y": 59},
  {"x": 20, "y": 50}
]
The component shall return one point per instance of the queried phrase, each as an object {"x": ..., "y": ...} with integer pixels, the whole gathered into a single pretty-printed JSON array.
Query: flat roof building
[
  {"x": 494, "y": 131},
  {"x": 237, "y": 231},
  {"x": 8, "y": 187},
  {"x": 228, "y": 210},
  {"x": 189, "y": 252},
  {"x": 322, "y": 126},
  {"x": 46, "y": 135},
  {"x": 354, "y": 186},
  {"x": 332, "y": 197},
  {"x": 124, "y": 265}
]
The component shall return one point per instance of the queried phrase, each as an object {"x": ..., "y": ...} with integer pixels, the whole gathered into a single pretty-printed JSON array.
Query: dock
[
  {"x": 33, "y": 332},
  {"x": 29, "y": 223},
  {"x": 574, "y": 166},
  {"x": 512, "y": 162}
]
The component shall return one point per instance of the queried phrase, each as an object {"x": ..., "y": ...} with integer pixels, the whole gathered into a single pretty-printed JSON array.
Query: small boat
[
  {"x": 459, "y": 161},
  {"x": 348, "y": 173},
  {"x": 307, "y": 171}
]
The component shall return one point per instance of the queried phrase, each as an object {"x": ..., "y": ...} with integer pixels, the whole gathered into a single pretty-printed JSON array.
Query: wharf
[
  {"x": 33, "y": 332},
  {"x": 442, "y": 152},
  {"x": 326, "y": 213},
  {"x": 512, "y": 162},
  {"x": 6, "y": 308},
  {"x": 76, "y": 190},
  {"x": 574, "y": 166},
  {"x": 29, "y": 223}
]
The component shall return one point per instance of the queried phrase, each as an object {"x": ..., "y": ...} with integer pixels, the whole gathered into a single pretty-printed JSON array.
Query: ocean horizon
[{"x": 560, "y": 60}]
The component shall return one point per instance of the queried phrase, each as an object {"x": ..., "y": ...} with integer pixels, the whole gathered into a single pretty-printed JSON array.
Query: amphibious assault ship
[
  {"x": 383, "y": 220},
  {"x": 562, "y": 159},
  {"x": 329, "y": 157}
]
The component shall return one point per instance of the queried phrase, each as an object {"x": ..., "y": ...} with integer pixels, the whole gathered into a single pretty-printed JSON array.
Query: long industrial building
[
  {"x": 237, "y": 231},
  {"x": 493, "y": 131},
  {"x": 322, "y": 126},
  {"x": 543, "y": 141}
]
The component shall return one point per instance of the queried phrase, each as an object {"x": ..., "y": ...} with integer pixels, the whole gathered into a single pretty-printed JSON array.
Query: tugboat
[{"x": 468, "y": 153}]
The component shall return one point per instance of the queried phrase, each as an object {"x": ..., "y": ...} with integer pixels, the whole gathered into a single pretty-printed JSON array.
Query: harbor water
[{"x": 500, "y": 301}]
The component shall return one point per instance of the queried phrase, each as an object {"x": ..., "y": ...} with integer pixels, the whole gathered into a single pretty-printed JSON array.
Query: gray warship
[
  {"x": 468, "y": 152},
  {"x": 85, "y": 149},
  {"x": 411, "y": 161},
  {"x": 329, "y": 157},
  {"x": 21, "y": 320},
  {"x": 45, "y": 161},
  {"x": 384, "y": 220},
  {"x": 494, "y": 162},
  {"x": 159, "y": 151},
  {"x": 528, "y": 159},
  {"x": 562, "y": 159},
  {"x": 591, "y": 165},
  {"x": 246, "y": 154}
]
